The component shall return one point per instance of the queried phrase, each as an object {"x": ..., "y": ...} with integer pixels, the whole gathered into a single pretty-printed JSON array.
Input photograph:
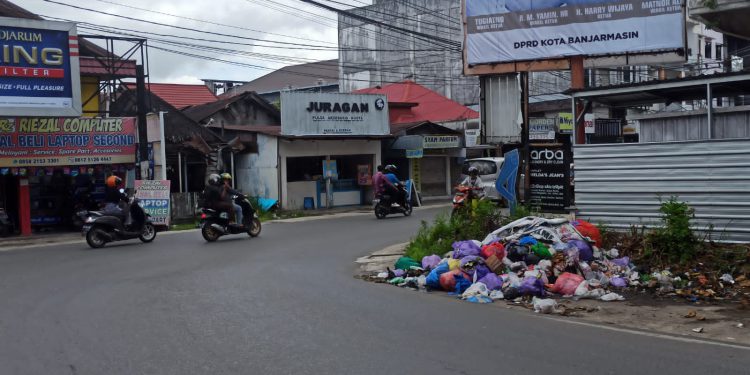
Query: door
[{"x": 433, "y": 176}]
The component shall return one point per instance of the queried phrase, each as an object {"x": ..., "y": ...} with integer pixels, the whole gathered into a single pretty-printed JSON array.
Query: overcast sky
[{"x": 234, "y": 16}]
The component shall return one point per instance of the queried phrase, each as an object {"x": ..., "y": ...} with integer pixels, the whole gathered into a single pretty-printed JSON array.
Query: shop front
[{"x": 50, "y": 168}]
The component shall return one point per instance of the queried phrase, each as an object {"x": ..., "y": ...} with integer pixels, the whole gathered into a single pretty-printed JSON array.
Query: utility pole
[{"x": 140, "y": 94}]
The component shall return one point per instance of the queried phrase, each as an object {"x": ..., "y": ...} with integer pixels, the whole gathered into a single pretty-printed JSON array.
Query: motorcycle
[
  {"x": 215, "y": 223},
  {"x": 101, "y": 227},
  {"x": 383, "y": 205},
  {"x": 464, "y": 194}
]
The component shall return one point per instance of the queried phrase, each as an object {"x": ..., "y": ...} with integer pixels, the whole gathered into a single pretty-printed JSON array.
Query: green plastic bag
[
  {"x": 541, "y": 251},
  {"x": 404, "y": 263}
]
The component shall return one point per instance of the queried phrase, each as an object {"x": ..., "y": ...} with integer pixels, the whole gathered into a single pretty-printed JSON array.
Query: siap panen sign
[
  {"x": 39, "y": 71},
  {"x": 53, "y": 141},
  {"x": 516, "y": 30},
  {"x": 311, "y": 114}
]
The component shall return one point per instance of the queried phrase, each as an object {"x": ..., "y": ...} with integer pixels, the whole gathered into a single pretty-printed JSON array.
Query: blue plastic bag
[
  {"x": 461, "y": 284},
  {"x": 527, "y": 241},
  {"x": 433, "y": 278}
]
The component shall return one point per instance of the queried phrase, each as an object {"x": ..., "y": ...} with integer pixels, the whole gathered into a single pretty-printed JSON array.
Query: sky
[{"x": 287, "y": 21}]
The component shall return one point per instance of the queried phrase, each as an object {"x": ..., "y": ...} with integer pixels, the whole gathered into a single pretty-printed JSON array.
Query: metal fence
[
  {"x": 621, "y": 184},
  {"x": 184, "y": 206}
]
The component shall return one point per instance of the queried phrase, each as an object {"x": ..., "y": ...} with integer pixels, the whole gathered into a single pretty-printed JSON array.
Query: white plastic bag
[
  {"x": 544, "y": 305},
  {"x": 476, "y": 289},
  {"x": 609, "y": 297}
]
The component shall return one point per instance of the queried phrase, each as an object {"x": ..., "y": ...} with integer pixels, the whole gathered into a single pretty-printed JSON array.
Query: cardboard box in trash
[{"x": 495, "y": 264}]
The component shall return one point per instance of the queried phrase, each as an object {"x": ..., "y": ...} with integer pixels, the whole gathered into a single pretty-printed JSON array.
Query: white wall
[{"x": 258, "y": 174}]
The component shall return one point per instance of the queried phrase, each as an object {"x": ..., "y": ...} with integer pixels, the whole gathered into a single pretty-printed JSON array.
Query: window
[
  {"x": 718, "y": 51},
  {"x": 485, "y": 167},
  {"x": 707, "y": 50}
]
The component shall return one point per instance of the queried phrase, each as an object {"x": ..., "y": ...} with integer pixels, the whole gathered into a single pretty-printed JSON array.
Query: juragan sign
[{"x": 338, "y": 107}]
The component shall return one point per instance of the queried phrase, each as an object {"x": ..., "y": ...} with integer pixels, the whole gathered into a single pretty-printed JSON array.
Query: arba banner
[
  {"x": 39, "y": 68},
  {"x": 515, "y": 30},
  {"x": 52, "y": 141},
  {"x": 549, "y": 177}
]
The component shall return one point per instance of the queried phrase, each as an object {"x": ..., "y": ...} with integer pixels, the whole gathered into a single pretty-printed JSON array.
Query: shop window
[
  {"x": 306, "y": 168},
  {"x": 707, "y": 50}
]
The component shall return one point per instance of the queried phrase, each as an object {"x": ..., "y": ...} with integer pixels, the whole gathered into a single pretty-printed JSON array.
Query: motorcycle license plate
[{"x": 85, "y": 229}]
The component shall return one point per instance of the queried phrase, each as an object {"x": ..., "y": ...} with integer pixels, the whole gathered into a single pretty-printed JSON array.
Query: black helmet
[{"x": 214, "y": 179}]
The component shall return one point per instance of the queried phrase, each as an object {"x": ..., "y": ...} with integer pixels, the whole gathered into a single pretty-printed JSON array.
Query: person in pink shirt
[{"x": 379, "y": 181}]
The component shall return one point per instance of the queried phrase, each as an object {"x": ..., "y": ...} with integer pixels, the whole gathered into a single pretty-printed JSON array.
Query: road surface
[{"x": 286, "y": 303}]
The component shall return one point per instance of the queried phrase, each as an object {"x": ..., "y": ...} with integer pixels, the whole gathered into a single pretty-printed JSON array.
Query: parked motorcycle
[
  {"x": 384, "y": 205},
  {"x": 464, "y": 194},
  {"x": 100, "y": 227},
  {"x": 215, "y": 224}
]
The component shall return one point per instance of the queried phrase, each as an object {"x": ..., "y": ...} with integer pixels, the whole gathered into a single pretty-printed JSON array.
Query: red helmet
[{"x": 113, "y": 181}]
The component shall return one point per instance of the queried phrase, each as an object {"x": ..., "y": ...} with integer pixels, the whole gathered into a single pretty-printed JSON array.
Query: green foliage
[
  {"x": 674, "y": 241},
  {"x": 467, "y": 224}
]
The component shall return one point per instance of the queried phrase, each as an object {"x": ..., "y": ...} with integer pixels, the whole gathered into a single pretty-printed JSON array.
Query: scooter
[
  {"x": 464, "y": 194},
  {"x": 383, "y": 205},
  {"x": 215, "y": 224},
  {"x": 99, "y": 227}
]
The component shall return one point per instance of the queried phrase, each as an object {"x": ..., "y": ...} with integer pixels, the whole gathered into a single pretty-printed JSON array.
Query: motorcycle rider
[
  {"x": 216, "y": 195},
  {"x": 473, "y": 181},
  {"x": 393, "y": 182},
  {"x": 230, "y": 192},
  {"x": 112, "y": 195}
]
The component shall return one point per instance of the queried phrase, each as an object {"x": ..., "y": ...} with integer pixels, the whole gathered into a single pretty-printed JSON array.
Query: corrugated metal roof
[
  {"x": 180, "y": 95},
  {"x": 431, "y": 106},
  {"x": 295, "y": 76}
]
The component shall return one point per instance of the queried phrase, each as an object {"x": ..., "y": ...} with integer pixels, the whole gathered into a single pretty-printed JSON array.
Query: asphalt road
[{"x": 286, "y": 303}]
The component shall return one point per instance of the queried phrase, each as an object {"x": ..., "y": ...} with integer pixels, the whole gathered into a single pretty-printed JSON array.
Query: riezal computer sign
[
  {"x": 515, "y": 30},
  {"x": 304, "y": 113},
  {"x": 39, "y": 71}
]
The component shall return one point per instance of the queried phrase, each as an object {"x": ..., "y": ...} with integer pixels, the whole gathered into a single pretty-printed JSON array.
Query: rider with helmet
[
  {"x": 215, "y": 195},
  {"x": 473, "y": 181},
  {"x": 229, "y": 192},
  {"x": 392, "y": 189},
  {"x": 113, "y": 197}
]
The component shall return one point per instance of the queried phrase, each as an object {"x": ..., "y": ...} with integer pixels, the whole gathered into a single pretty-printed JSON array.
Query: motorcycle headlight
[{"x": 89, "y": 219}]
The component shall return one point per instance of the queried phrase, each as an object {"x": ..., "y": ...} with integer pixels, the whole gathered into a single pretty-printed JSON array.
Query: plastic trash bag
[
  {"x": 542, "y": 251},
  {"x": 544, "y": 305},
  {"x": 566, "y": 284},
  {"x": 422, "y": 281},
  {"x": 479, "y": 299},
  {"x": 609, "y": 297},
  {"x": 496, "y": 295},
  {"x": 405, "y": 263},
  {"x": 527, "y": 241},
  {"x": 430, "y": 261},
  {"x": 532, "y": 286},
  {"x": 396, "y": 280},
  {"x": 585, "y": 252},
  {"x": 492, "y": 281},
  {"x": 496, "y": 248},
  {"x": 462, "y": 283},
  {"x": 727, "y": 278},
  {"x": 476, "y": 289},
  {"x": 619, "y": 282},
  {"x": 433, "y": 278},
  {"x": 589, "y": 230},
  {"x": 481, "y": 271},
  {"x": 454, "y": 264},
  {"x": 463, "y": 249},
  {"x": 448, "y": 280},
  {"x": 623, "y": 262},
  {"x": 399, "y": 272}
]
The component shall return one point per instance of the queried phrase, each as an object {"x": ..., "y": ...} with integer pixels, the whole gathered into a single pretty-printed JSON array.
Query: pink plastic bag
[{"x": 566, "y": 284}]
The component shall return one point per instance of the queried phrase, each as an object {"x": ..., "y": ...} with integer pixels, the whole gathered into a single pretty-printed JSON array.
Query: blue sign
[
  {"x": 414, "y": 154},
  {"x": 506, "y": 180},
  {"x": 39, "y": 72}
]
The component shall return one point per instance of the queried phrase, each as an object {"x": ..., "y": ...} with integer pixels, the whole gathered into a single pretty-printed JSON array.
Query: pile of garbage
[{"x": 533, "y": 258}]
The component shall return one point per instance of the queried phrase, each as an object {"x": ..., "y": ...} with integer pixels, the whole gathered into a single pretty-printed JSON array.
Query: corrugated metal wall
[
  {"x": 620, "y": 184},
  {"x": 725, "y": 124},
  {"x": 501, "y": 108}
]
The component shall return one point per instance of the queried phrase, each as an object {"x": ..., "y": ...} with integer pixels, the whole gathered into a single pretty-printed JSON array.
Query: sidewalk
[{"x": 40, "y": 239}]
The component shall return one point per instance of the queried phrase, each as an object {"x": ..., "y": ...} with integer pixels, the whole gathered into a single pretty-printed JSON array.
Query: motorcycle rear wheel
[
  {"x": 381, "y": 211},
  {"x": 95, "y": 239},
  {"x": 254, "y": 230},
  {"x": 408, "y": 209},
  {"x": 209, "y": 234}
]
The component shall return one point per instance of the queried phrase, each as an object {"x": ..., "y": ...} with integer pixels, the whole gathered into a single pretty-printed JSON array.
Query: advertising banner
[
  {"x": 565, "y": 122},
  {"x": 364, "y": 174},
  {"x": 39, "y": 70},
  {"x": 542, "y": 128},
  {"x": 51, "y": 141},
  {"x": 305, "y": 113},
  {"x": 516, "y": 30},
  {"x": 155, "y": 199},
  {"x": 588, "y": 123},
  {"x": 441, "y": 141},
  {"x": 414, "y": 154},
  {"x": 549, "y": 177}
]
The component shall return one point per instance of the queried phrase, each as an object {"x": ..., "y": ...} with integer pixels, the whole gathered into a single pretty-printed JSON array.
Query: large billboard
[
  {"x": 39, "y": 71},
  {"x": 521, "y": 30},
  {"x": 53, "y": 141},
  {"x": 332, "y": 114}
]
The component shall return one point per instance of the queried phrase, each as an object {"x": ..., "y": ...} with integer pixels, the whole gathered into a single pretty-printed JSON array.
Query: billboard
[
  {"x": 520, "y": 30},
  {"x": 155, "y": 199},
  {"x": 39, "y": 71},
  {"x": 333, "y": 114},
  {"x": 54, "y": 141}
]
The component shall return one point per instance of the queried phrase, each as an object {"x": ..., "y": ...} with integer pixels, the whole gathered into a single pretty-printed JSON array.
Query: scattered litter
[
  {"x": 612, "y": 297},
  {"x": 691, "y": 314},
  {"x": 727, "y": 278},
  {"x": 698, "y": 330},
  {"x": 740, "y": 325},
  {"x": 382, "y": 275},
  {"x": 544, "y": 305}
]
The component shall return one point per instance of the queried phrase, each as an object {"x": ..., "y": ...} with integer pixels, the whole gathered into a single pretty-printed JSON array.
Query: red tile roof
[
  {"x": 179, "y": 95},
  {"x": 431, "y": 106}
]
